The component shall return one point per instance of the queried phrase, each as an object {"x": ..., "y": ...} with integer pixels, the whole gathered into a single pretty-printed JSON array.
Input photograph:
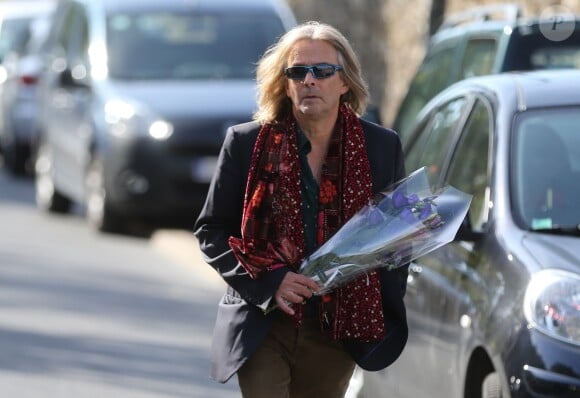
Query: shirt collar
[{"x": 304, "y": 145}]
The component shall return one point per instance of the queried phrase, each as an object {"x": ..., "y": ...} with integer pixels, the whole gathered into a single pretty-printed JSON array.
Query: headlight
[
  {"x": 552, "y": 304},
  {"x": 160, "y": 130},
  {"x": 126, "y": 119}
]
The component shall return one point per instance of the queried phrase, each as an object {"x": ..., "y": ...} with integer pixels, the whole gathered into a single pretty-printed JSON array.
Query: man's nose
[{"x": 309, "y": 79}]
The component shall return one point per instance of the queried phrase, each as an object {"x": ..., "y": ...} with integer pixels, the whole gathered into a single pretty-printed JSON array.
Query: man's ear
[{"x": 345, "y": 88}]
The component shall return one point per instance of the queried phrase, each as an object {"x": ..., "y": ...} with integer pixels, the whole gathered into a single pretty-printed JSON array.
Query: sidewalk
[{"x": 182, "y": 247}]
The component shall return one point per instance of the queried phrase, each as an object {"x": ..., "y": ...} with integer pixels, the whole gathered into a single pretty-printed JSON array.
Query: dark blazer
[{"x": 241, "y": 324}]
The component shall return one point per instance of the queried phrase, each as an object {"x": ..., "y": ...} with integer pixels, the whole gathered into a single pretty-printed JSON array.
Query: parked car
[
  {"x": 18, "y": 106},
  {"x": 15, "y": 16},
  {"x": 19, "y": 22},
  {"x": 137, "y": 98},
  {"x": 496, "y": 313},
  {"x": 486, "y": 40}
]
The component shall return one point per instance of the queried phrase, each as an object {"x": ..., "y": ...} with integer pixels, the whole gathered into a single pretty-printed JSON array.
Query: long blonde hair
[{"x": 272, "y": 100}]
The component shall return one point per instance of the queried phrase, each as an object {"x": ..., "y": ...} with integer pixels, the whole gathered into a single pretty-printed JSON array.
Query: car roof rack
[{"x": 508, "y": 13}]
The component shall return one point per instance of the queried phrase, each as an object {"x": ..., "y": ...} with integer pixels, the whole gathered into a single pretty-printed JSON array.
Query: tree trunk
[{"x": 436, "y": 15}]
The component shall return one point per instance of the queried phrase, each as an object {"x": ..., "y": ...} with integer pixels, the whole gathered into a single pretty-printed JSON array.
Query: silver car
[
  {"x": 23, "y": 27},
  {"x": 136, "y": 100},
  {"x": 496, "y": 313}
]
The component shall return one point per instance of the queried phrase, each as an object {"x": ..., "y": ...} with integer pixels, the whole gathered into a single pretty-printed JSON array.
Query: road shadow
[
  {"x": 164, "y": 329},
  {"x": 16, "y": 189},
  {"x": 155, "y": 368}
]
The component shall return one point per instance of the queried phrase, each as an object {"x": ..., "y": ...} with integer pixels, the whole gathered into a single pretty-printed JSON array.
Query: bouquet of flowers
[{"x": 400, "y": 224}]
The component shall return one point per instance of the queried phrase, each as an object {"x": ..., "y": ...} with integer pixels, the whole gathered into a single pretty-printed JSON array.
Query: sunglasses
[{"x": 319, "y": 71}]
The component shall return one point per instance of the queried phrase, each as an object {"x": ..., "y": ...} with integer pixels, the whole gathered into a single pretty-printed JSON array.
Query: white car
[{"x": 23, "y": 26}]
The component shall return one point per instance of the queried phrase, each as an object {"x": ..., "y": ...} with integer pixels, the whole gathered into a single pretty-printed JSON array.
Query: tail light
[{"x": 28, "y": 80}]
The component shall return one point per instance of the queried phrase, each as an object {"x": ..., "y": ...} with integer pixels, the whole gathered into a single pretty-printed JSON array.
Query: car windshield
[
  {"x": 556, "y": 58},
  {"x": 13, "y": 35},
  {"x": 534, "y": 49},
  {"x": 163, "y": 45},
  {"x": 546, "y": 164}
]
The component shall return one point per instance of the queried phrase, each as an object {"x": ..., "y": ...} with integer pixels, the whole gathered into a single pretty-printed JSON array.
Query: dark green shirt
[{"x": 310, "y": 192}]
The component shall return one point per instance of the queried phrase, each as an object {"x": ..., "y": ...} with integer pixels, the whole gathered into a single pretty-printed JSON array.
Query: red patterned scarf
[{"x": 272, "y": 228}]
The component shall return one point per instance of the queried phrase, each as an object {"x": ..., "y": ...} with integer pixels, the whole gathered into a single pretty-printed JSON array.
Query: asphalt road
[{"x": 84, "y": 314}]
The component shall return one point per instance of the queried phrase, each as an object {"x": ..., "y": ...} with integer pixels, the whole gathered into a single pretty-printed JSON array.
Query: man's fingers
[
  {"x": 294, "y": 289},
  {"x": 284, "y": 305},
  {"x": 307, "y": 282},
  {"x": 303, "y": 292},
  {"x": 298, "y": 281}
]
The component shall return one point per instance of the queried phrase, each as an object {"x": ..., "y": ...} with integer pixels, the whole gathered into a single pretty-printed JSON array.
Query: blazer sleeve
[{"x": 221, "y": 218}]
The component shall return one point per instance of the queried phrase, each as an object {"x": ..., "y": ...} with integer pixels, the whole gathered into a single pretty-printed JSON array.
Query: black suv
[{"x": 487, "y": 40}]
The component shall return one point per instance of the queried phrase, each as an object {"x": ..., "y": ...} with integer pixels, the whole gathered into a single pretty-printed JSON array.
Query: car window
[
  {"x": 478, "y": 58},
  {"x": 556, "y": 58},
  {"x": 468, "y": 169},
  {"x": 546, "y": 166},
  {"x": 532, "y": 50},
  {"x": 78, "y": 35},
  {"x": 153, "y": 45},
  {"x": 64, "y": 36},
  {"x": 13, "y": 35},
  {"x": 39, "y": 29},
  {"x": 433, "y": 142},
  {"x": 432, "y": 77}
]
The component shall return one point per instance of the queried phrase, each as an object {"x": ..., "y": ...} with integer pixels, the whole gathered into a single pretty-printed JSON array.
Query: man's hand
[{"x": 294, "y": 289}]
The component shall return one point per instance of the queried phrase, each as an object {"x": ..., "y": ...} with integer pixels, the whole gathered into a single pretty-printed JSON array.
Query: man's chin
[{"x": 309, "y": 110}]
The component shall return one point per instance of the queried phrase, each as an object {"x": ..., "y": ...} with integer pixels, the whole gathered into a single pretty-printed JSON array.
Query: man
[{"x": 284, "y": 184}]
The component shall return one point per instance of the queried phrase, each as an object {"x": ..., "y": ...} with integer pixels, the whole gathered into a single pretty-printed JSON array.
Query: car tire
[
  {"x": 15, "y": 159},
  {"x": 48, "y": 198},
  {"x": 98, "y": 210},
  {"x": 491, "y": 386}
]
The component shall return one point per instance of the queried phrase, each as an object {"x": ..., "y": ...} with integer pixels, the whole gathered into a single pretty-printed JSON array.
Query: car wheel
[
  {"x": 48, "y": 198},
  {"x": 491, "y": 387},
  {"x": 99, "y": 212},
  {"x": 14, "y": 159}
]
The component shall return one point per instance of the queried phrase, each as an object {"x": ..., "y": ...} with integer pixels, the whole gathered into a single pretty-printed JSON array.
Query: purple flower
[
  {"x": 412, "y": 199},
  {"x": 407, "y": 215},
  {"x": 399, "y": 199},
  {"x": 375, "y": 216}
]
